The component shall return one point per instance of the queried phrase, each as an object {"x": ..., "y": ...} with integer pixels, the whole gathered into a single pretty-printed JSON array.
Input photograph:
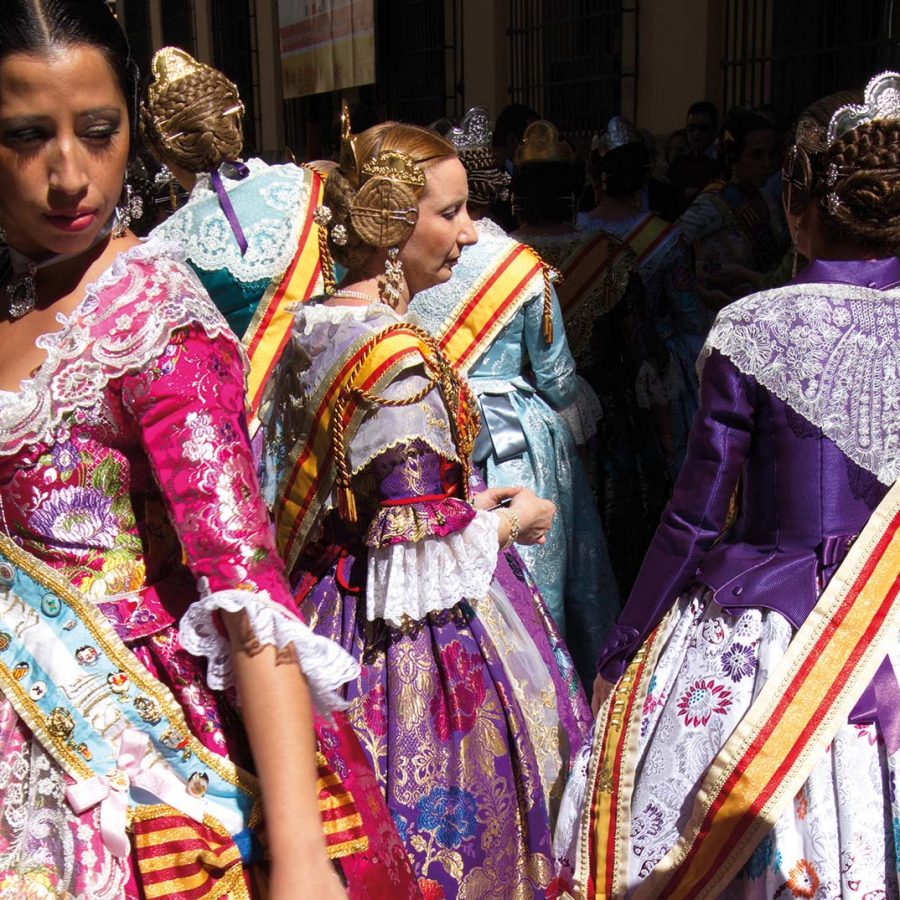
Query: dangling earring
[
  {"x": 126, "y": 212},
  {"x": 389, "y": 288}
]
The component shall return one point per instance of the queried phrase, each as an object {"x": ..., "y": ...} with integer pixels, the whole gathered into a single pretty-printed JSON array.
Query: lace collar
[
  {"x": 832, "y": 353},
  {"x": 269, "y": 203},
  {"x": 125, "y": 320}
]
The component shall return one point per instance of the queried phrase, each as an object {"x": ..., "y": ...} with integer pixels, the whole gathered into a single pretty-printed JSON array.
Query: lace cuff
[
  {"x": 417, "y": 521},
  {"x": 327, "y": 666},
  {"x": 583, "y": 413},
  {"x": 409, "y": 580}
]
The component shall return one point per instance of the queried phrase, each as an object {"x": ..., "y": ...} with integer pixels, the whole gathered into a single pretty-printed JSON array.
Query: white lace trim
[
  {"x": 268, "y": 203},
  {"x": 583, "y": 413},
  {"x": 101, "y": 341},
  {"x": 410, "y": 580},
  {"x": 832, "y": 353},
  {"x": 311, "y": 315},
  {"x": 327, "y": 666}
]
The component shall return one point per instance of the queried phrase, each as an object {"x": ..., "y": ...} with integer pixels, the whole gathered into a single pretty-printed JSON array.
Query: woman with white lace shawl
[
  {"x": 794, "y": 446},
  {"x": 467, "y": 703},
  {"x": 139, "y": 584}
]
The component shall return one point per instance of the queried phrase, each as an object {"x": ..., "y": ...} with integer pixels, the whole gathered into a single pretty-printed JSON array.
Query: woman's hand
[
  {"x": 492, "y": 497},
  {"x": 535, "y": 516},
  {"x": 602, "y": 689}
]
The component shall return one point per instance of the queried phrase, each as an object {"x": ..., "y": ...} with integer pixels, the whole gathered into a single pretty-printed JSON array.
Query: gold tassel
[
  {"x": 346, "y": 503},
  {"x": 548, "y": 307}
]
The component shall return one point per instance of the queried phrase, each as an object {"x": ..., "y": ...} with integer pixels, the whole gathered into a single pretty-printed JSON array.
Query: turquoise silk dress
[
  {"x": 270, "y": 203},
  {"x": 522, "y": 383}
]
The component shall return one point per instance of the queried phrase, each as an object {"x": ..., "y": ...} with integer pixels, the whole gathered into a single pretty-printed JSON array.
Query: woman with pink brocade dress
[{"x": 128, "y": 495}]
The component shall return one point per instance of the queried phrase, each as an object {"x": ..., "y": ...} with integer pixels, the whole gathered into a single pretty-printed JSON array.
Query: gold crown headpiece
[{"x": 542, "y": 143}]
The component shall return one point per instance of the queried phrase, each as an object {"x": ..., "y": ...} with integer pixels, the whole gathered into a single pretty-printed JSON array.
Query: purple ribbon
[
  {"x": 240, "y": 171},
  {"x": 880, "y": 274}
]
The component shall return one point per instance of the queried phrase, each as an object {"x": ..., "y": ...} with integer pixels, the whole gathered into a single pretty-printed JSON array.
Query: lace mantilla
[
  {"x": 409, "y": 580},
  {"x": 327, "y": 666},
  {"x": 268, "y": 203},
  {"x": 832, "y": 353},
  {"x": 477, "y": 261},
  {"x": 125, "y": 320}
]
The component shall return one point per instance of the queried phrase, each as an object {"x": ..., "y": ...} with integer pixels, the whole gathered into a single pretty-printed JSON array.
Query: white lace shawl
[
  {"x": 100, "y": 342},
  {"x": 832, "y": 353},
  {"x": 405, "y": 580},
  {"x": 268, "y": 203}
]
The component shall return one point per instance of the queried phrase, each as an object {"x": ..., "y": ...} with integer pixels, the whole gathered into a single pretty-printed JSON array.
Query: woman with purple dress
[
  {"x": 467, "y": 705},
  {"x": 708, "y": 776}
]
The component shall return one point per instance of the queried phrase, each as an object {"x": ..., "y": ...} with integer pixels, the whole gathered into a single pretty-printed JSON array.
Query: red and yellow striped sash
[
  {"x": 584, "y": 268},
  {"x": 647, "y": 236},
  {"x": 177, "y": 857},
  {"x": 773, "y": 750},
  {"x": 492, "y": 302},
  {"x": 270, "y": 327},
  {"x": 374, "y": 362}
]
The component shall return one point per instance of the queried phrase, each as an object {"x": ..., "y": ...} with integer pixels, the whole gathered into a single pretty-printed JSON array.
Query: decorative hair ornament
[
  {"x": 474, "y": 131},
  {"x": 386, "y": 206},
  {"x": 881, "y": 101},
  {"x": 542, "y": 143},
  {"x": 349, "y": 165},
  {"x": 619, "y": 133},
  {"x": 473, "y": 141}
]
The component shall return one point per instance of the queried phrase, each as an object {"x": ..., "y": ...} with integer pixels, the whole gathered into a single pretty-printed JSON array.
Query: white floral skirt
[{"x": 838, "y": 837}]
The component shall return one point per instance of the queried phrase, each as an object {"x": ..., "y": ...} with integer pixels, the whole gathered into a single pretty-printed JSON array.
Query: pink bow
[{"x": 112, "y": 791}]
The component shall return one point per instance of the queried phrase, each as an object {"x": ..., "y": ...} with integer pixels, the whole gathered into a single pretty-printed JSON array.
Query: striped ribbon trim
[
  {"x": 489, "y": 306},
  {"x": 310, "y": 474},
  {"x": 784, "y": 734},
  {"x": 270, "y": 326}
]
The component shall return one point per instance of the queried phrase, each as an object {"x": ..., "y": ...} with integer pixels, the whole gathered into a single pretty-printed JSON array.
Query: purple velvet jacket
[{"x": 802, "y": 500}]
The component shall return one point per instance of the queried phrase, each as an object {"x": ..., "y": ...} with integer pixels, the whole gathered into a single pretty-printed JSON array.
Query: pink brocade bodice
[{"x": 127, "y": 454}]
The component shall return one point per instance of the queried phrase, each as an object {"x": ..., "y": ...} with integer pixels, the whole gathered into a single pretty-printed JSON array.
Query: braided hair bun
[{"x": 192, "y": 115}]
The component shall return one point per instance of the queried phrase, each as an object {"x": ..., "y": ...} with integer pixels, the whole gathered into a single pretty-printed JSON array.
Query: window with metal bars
[
  {"x": 574, "y": 60},
  {"x": 791, "y": 54},
  {"x": 235, "y": 53},
  {"x": 420, "y": 59},
  {"x": 178, "y": 24},
  {"x": 138, "y": 31}
]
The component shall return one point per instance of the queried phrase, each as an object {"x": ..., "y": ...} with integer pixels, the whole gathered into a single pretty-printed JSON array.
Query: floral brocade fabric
[
  {"x": 470, "y": 710},
  {"x": 125, "y": 465}
]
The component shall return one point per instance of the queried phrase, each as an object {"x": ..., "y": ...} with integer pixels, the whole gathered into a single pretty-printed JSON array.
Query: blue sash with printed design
[{"x": 107, "y": 722}]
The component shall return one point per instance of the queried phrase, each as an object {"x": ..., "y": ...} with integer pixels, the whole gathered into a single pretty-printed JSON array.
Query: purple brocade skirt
[{"x": 469, "y": 718}]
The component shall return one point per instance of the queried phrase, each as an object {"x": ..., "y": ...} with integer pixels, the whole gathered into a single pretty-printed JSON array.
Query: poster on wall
[{"x": 326, "y": 45}]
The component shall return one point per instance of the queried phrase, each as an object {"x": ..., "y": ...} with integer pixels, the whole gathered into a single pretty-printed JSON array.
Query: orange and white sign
[{"x": 326, "y": 45}]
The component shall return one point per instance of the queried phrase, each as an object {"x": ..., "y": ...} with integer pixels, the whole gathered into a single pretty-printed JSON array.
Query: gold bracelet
[{"x": 514, "y": 528}]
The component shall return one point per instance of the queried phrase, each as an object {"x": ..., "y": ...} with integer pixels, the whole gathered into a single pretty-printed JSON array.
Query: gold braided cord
[
  {"x": 325, "y": 259},
  {"x": 455, "y": 391},
  {"x": 549, "y": 275}
]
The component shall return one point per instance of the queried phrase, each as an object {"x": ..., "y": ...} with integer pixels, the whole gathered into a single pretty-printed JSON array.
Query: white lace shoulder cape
[
  {"x": 832, "y": 353},
  {"x": 476, "y": 263},
  {"x": 410, "y": 579},
  {"x": 124, "y": 321},
  {"x": 269, "y": 203}
]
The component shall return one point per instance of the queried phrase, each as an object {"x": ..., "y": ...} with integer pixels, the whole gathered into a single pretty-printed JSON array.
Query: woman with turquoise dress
[{"x": 522, "y": 380}]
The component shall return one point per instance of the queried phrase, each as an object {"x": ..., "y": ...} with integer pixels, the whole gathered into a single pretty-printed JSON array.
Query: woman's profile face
[
  {"x": 442, "y": 229},
  {"x": 64, "y": 140}
]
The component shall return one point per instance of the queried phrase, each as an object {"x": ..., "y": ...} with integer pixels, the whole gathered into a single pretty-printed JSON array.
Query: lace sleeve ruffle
[
  {"x": 417, "y": 521},
  {"x": 411, "y": 579},
  {"x": 327, "y": 666}
]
